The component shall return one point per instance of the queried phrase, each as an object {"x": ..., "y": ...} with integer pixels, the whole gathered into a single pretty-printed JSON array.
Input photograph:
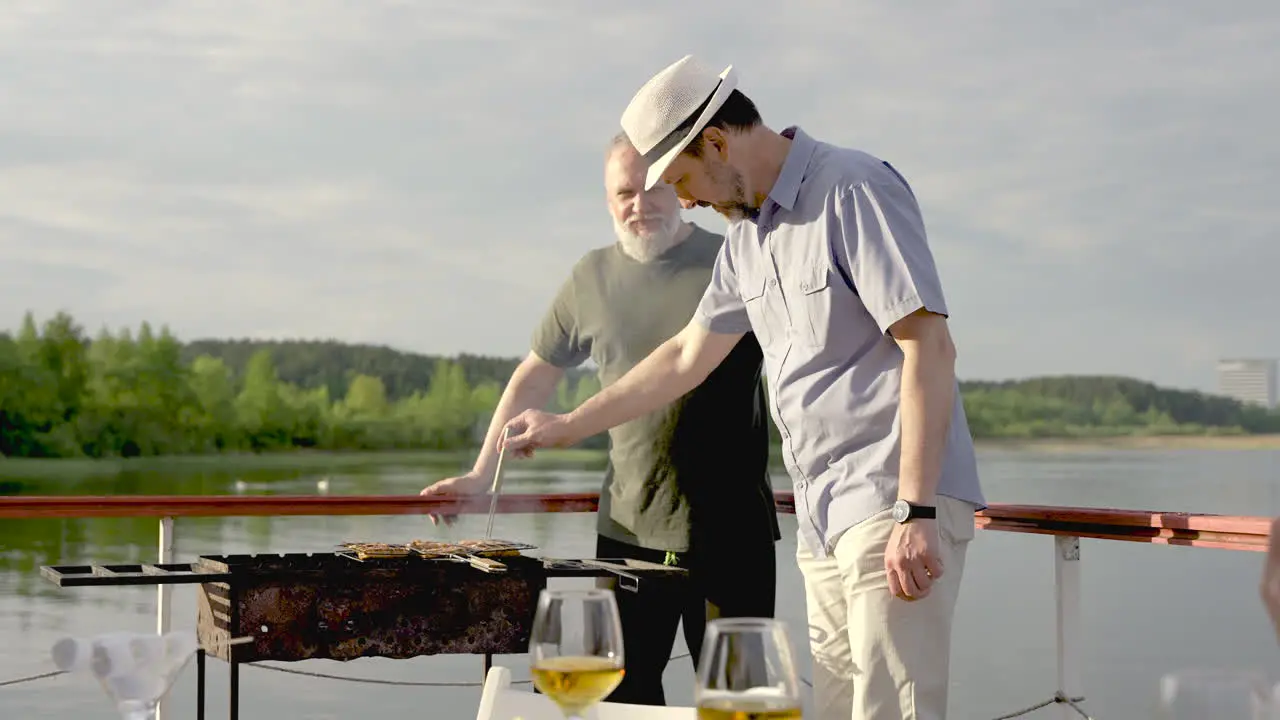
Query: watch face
[{"x": 901, "y": 510}]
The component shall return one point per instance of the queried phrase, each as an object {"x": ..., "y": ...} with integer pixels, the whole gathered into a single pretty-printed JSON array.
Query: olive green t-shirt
[{"x": 694, "y": 472}]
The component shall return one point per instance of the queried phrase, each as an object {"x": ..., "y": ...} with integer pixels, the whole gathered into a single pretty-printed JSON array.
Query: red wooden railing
[{"x": 1170, "y": 528}]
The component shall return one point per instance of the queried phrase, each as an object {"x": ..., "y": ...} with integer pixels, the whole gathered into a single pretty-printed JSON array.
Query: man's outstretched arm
[{"x": 673, "y": 369}]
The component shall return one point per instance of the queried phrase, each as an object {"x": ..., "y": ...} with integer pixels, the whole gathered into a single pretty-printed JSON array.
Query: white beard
[{"x": 647, "y": 248}]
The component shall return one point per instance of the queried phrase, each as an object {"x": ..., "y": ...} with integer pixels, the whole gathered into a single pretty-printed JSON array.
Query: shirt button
[{"x": 773, "y": 283}]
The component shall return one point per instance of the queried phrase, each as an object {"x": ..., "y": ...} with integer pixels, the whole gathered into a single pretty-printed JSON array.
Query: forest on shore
[{"x": 64, "y": 394}]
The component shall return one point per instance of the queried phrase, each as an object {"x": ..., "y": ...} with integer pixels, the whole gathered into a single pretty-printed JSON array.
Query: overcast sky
[{"x": 1098, "y": 180}]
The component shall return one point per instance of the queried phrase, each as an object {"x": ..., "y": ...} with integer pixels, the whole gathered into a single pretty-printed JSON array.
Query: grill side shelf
[
  {"x": 132, "y": 574},
  {"x": 629, "y": 572}
]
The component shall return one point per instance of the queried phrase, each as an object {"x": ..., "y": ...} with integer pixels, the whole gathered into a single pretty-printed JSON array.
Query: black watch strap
[
  {"x": 924, "y": 511},
  {"x": 904, "y": 511}
]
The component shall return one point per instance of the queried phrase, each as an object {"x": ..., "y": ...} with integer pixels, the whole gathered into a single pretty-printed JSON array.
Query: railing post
[
  {"x": 1066, "y": 571},
  {"x": 164, "y": 592}
]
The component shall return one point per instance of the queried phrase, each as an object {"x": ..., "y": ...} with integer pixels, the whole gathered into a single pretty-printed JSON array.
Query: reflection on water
[{"x": 1147, "y": 609}]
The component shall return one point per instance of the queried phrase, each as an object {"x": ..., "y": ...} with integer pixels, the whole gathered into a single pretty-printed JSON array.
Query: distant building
[{"x": 1249, "y": 380}]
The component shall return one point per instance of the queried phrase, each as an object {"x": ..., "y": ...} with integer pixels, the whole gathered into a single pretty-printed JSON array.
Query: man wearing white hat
[{"x": 826, "y": 260}]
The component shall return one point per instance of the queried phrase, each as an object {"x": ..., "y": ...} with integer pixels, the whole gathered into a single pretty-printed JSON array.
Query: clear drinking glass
[
  {"x": 1213, "y": 694},
  {"x": 747, "y": 671},
  {"x": 135, "y": 670},
  {"x": 575, "y": 651}
]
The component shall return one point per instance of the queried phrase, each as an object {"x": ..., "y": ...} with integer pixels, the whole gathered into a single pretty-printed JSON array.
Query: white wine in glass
[
  {"x": 575, "y": 651},
  {"x": 747, "y": 671},
  {"x": 1214, "y": 695}
]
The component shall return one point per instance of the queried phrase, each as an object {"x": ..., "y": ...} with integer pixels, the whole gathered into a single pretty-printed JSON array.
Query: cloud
[{"x": 1096, "y": 183}]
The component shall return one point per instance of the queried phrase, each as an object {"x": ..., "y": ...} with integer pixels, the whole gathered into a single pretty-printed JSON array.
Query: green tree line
[
  {"x": 127, "y": 394},
  {"x": 1092, "y": 406},
  {"x": 131, "y": 394}
]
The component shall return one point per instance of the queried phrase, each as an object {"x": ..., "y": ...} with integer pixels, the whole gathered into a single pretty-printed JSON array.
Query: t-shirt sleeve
[
  {"x": 721, "y": 309},
  {"x": 557, "y": 339},
  {"x": 884, "y": 242}
]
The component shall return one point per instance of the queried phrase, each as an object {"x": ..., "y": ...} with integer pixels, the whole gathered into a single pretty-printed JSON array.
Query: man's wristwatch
[{"x": 904, "y": 511}]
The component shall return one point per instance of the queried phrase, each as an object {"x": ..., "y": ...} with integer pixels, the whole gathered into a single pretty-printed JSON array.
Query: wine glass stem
[{"x": 137, "y": 711}]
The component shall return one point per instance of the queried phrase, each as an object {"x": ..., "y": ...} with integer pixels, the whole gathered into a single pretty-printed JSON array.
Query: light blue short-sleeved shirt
[{"x": 837, "y": 254}]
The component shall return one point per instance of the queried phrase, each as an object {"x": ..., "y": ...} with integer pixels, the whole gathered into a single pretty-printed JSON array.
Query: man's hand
[
  {"x": 468, "y": 484},
  {"x": 912, "y": 559},
  {"x": 1270, "y": 586},
  {"x": 533, "y": 429}
]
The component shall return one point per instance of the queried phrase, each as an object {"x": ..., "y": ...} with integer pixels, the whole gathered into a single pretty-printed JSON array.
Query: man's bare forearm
[
  {"x": 673, "y": 369},
  {"x": 927, "y": 395},
  {"x": 531, "y": 386}
]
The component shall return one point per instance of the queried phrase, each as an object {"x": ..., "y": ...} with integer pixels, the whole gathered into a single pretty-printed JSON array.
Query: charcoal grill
[{"x": 302, "y": 606}]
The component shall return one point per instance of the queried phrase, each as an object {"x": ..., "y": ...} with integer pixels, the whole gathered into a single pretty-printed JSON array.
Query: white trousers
[{"x": 875, "y": 656}]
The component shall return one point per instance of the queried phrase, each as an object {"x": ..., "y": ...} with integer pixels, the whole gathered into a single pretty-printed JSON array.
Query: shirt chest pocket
[
  {"x": 764, "y": 322},
  {"x": 811, "y": 301}
]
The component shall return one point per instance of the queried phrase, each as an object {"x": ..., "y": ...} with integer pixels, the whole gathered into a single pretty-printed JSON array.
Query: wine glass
[
  {"x": 135, "y": 670},
  {"x": 576, "y": 648},
  {"x": 747, "y": 670},
  {"x": 1214, "y": 694}
]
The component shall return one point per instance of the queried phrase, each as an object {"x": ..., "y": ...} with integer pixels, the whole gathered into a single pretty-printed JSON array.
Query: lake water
[{"x": 1148, "y": 609}]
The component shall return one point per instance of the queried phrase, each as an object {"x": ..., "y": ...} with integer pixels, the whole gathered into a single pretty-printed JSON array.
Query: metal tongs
[{"x": 496, "y": 488}]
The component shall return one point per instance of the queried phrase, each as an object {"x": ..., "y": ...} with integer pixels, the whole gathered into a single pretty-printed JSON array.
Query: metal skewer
[{"x": 497, "y": 483}]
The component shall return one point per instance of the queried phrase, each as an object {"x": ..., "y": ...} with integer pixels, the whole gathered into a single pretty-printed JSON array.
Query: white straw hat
[{"x": 656, "y": 121}]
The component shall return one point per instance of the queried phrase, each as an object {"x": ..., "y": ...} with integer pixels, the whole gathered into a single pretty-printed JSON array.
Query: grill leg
[
  {"x": 200, "y": 684},
  {"x": 235, "y": 690}
]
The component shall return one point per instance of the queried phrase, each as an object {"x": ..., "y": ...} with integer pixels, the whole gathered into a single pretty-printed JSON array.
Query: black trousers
[{"x": 739, "y": 581}]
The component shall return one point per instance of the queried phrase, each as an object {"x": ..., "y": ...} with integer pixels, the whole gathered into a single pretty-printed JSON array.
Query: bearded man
[{"x": 687, "y": 484}]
